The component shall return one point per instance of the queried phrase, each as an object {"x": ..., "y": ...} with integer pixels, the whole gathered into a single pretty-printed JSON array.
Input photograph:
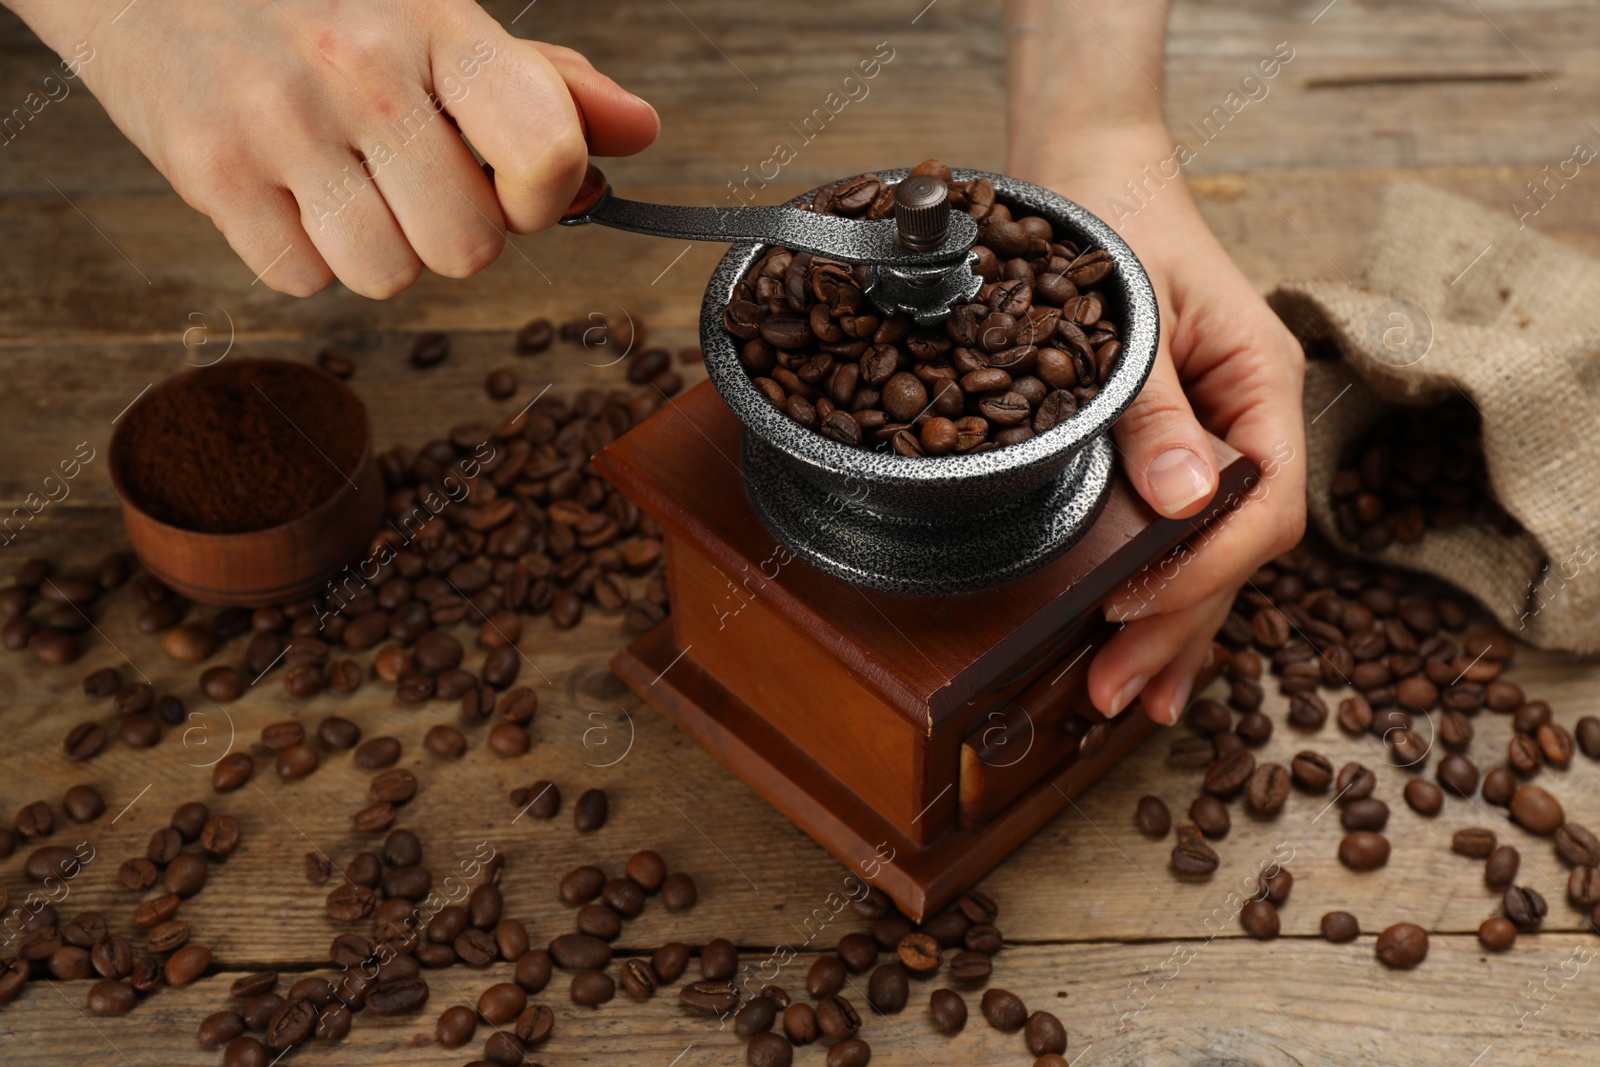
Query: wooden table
[{"x": 107, "y": 274}]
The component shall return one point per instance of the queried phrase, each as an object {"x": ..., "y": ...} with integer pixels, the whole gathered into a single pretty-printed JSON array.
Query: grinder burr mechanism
[{"x": 915, "y": 525}]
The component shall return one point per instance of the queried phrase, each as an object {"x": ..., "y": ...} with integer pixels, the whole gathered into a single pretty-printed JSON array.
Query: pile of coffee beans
[
  {"x": 1416, "y": 470},
  {"x": 87, "y": 945},
  {"x": 1036, "y": 346},
  {"x": 1321, "y": 624},
  {"x": 488, "y": 526}
]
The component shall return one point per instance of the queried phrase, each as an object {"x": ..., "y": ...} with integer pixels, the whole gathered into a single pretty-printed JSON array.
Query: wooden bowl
[{"x": 289, "y": 561}]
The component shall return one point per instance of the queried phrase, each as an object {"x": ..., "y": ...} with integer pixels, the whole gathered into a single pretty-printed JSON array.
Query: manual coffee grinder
[{"x": 891, "y": 650}]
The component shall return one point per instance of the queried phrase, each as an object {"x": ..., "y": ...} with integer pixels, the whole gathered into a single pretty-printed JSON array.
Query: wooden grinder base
[{"x": 918, "y": 739}]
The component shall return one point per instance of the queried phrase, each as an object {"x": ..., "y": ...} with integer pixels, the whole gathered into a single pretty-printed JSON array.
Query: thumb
[
  {"x": 1166, "y": 454},
  {"x": 616, "y": 123}
]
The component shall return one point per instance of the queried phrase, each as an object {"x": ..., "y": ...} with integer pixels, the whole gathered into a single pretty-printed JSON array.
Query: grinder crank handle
[{"x": 945, "y": 236}]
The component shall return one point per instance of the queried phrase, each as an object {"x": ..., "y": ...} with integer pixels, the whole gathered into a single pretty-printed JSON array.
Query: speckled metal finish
[{"x": 951, "y": 523}]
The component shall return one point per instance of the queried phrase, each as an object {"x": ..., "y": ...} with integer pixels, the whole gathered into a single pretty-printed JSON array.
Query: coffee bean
[
  {"x": 888, "y": 989},
  {"x": 1211, "y": 816},
  {"x": 501, "y": 1003},
  {"x": 647, "y": 870},
  {"x": 232, "y": 772},
  {"x": 851, "y": 1052},
  {"x": 1259, "y": 919},
  {"x": 1537, "y": 810},
  {"x": 589, "y": 813},
  {"x": 533, "y": 970},
  {"x": 800, "y": 1024},
  {"x": 708, "y": 998},
  {"x": 1499, "y": 785},
  {"x": 949, "y": 1010},
  {"x": 110, "y": 997},
  {"x": 1340, "y": 927},
  {"x": 1578, "y": 845},
  {"x": 1045, "y": 1034},
  {"x": 1365, "y": 814},
  {"x": 187, "y": 964},
  {"x": 858, "y": 951},
  {"x": 1275, "y": 883},
  {"x": 837, "y": 1018},
  {"x": 1268, "y": 789},
  {"x": 1525, "y": 907},
  {"x": 579, "y": 952},
  {"x": 1355, "y": 782},
  {"x": 1588, "y": 736},
  {"x": 670, "y": 961},
  {"x": 582, "y": 885},
  {"x": 826, "y": 976},
  {"x": 1191, "y": 855},
  {"x": 397, "y": 998},
  {"x": 1458, "y": 774},
  {"x": 1583, "y": 887},
  {"x": 769, "y": 1050},
  {"x": 1497, "y": 933},
  {"x": 719, "y": 961},
  {"x": 623, "y": 896},
  {"x": 921, "y": 953},
  {"x": 1004, "y": 1010},
  {"x": 1153, "y": 817},
  {"x": 376, "y": 753},
  {"x": 1229, "y": 773},
  {"x": 1402, "y": 945},
  {"x": 1364, "y": 851},
  {"x": 1501, "y": 866},
  {"x": 970, "y": 966},
  {"x": 755, "y": 1017},
  {"x": 430, "y": 349},
  {"x": 219, "y": 1029},
  {"x": 393, "y": 786},
  {"x": 1191, "y": 752},
  {"x": 678, "y": 892},
  {"x": 1424, "y": 798}
]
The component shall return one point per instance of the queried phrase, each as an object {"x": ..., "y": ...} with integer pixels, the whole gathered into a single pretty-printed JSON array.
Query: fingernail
[
  {"x": 1128, "y": 693},
  {"x": 1180, "y": 699},
  {"x": 1178, "y": 478},
  {"x": 1127, "y": 608}
]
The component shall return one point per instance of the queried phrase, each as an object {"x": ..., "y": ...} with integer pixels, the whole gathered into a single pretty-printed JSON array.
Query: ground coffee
[{"x": 241, "y": 445}]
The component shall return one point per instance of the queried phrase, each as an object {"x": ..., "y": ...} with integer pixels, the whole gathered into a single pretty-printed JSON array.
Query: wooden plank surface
[{"x": 1454, "y": 94}]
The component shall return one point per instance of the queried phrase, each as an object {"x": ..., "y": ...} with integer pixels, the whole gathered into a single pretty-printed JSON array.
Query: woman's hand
[
  {"x": 331, "y": 140},
  {"x": 1226, "y": 365}
]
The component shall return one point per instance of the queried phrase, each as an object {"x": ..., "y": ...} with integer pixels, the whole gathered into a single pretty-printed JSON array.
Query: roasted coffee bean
[
  {"x": 888, "y": 989},
  {"x": 533, "y": 970},
  {"x": 1191, "y": 855},
  {"x": 984, "y": 938},
  {"x": 769, "y": 1050},
  {"x": 1402, "y": 945},
  {"x": 949, "y": 1010},
  {"x": 1577, "y": 845},
  {"x": 535, "y": 1024},
  {"x": 708, "y": 998},
  {"x": 719, "y": 961},
  {"x": 851, "y": 1052},
  {"x": 1583, "y": 887},
  {"x": 1537, "y": 810},
  {"x": 638, "y": 980},
  {"x": 477, "y": 948},
  {"x": 501, "y": 1003},
  {"x": 393, "y": 786},
  {"x": 1311, "y": 771},
  {"x": 1497, "y": 933},
  {"x": 837, "y": 1017},
  {"x": 110, "y": 997},
  {"x": 678, "y": 892},
  {"x": 232, "y": 772},
  {"x": 430, "y": 349},
  {"x": 1476, "y": 842},
  {"x": 376, "y": 753},
  {"x": 455, "y": 1027},
  {"x": 1363, "y": 850},
  {"x": 970, "y": 966},
  {"x": 1152, "y": 816},
  {"x": 338, "y": 733},
  {"x": 1045, "y": 1035},
  {"x": 219, "y": 1029},
  {"x": 1259, "y": 918},
  {"x": 589, "y": 813},
  {"x": 826, "y": 976},
  {"x": 755, "y": 1017},
  {"x": 800, "y": 1024},
  {"x": 1458, "y": 774},
  {"x": 83, "y": 803},
  {"x": 1424, "y": 798},
  {"x": 187, "y": 964},
  {"x": 1191, "y": 752},
  {"x": 623, "y": 896},
  {"x": 921, "y": 953},
  {"x": 579, "y": 952},
  {"x": 1365, "y": 814},
  {"x": 1268, "y": 789},
  {"x": 1525, "y": 907},
  {"x": 1004, "y": 1010},
  {"x": 1556, "y": 743},
  {"x": 1355, "y": 782},
  {"x": 1588, "y": 736},
  {"x": 397, "y": 998},
  {"x": 1340, "y": 927},
  {"x": 858, "y": 951},
  {"x": 1500, "y": 869},
  {"x": 186, "y": 875},
  {"x": 1211, "y": 816},
  {"x": 222, "y": 684},
  {"x": 502, "y": 1049},
  {"x": 1229, "y": 773}
]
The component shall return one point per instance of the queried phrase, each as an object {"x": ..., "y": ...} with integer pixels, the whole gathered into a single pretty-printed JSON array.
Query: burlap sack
[{"x": 1456, "y": 299}]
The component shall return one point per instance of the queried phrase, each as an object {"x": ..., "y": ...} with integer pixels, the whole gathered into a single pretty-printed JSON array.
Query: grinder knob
[{"x": 921, "y": 212}]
